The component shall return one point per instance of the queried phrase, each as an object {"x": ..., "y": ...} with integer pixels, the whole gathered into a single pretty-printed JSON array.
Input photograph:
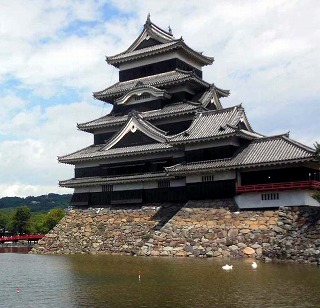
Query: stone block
[{"x": 248, "y": 251}]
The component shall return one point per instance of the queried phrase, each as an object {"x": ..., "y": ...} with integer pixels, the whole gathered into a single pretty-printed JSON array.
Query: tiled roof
[
  {"x": 165, "y": 42},
  {"x": 98, "y": 180},
  {"x": 151, "y": 30},
  {"x": 156, "y": 49},
  {"x": 97, "y": 152},
  {"x": 212, "y": 96},
  {"x": 121, "y": 56},
  {"x": 168, "y": 78},
  {"x": 172, "y": 110},
  {"x": 167, "y": 111},
  {"x": 211, "y": 124},
  {"x": 262, "y": 151},
  {"x": 274, "y": 149}
]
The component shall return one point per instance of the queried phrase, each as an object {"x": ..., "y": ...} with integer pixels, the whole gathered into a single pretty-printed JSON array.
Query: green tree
[
  {"x": 317, "y": 148},
  {"x": 316, "y": 195},
  {"x": 53, "y": 217},
  {"x": 4, "y": 220},
  {"x": 37, "y": 223},
  {"x": 20, "y": 222}
]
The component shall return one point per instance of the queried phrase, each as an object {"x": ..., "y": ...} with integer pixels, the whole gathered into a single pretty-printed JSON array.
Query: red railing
[
  {"x": 279, "y": 186},
  {"x": 26, "y": 237}
]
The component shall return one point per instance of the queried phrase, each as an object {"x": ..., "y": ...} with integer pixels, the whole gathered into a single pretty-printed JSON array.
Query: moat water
[{"x": 113, "y": 281}]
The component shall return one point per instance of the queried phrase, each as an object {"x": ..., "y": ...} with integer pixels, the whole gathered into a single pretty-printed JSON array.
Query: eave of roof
[
  {"x": 93, "y": 181},
  {"x": 176, "y": 76},
  {"x": 96, "y": 152},
  {"x": 172, "y": 110},
  {"x": 178, "y": 44}
]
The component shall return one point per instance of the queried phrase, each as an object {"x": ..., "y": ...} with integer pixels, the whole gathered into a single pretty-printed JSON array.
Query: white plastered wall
[
  {"x": 286, "y": 198},
  {"x": 217, "y": 176},
  {"x": 158, "y": 58},
  {"x": 130, "y": 186}
]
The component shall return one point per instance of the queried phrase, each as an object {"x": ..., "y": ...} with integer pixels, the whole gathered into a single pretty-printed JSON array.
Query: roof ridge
[
  {"x": 297, "y": 143},
  {"x": 286, "y": 138},
  {"x": 222, "y": 110},
  {"x": 149, "y": 23}
]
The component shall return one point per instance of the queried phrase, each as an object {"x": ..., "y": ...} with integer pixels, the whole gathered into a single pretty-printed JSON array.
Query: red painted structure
[
  {"x": 279, "y": 186},
  {"x": 25, "y": 237}
]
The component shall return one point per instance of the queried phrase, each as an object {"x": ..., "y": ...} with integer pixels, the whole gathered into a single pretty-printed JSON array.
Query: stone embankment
[{"x": 196, "y": 229}]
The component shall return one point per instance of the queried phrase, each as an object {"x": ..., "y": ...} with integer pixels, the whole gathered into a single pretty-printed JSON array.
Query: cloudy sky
[{"x": 52, "y": 58}]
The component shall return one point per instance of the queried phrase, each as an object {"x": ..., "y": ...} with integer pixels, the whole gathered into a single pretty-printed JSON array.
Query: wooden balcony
[{"x": 279, "y": 186}]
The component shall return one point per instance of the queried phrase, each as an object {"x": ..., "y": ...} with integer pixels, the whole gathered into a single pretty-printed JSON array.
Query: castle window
[
  {"x": 140, "y": 97},
  {"x": 270, "y": 196},
  {"x": 207, "y": 178},
  {"x": 107, "y": 188},
  {"x": 164, "y": 184}
]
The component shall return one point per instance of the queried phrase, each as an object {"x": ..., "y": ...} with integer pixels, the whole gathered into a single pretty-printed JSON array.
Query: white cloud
[
  {"x": 32, "y": 161},
  {"x": 25, "y": 190}
]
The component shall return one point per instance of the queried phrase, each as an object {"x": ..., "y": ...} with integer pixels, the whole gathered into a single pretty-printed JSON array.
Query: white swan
[
  {"x": 254, "y": 265},
  {"x": 227, "y": 267}
]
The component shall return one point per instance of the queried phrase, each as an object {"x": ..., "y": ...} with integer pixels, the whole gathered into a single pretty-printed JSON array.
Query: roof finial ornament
[
  {"x": 169, "y": 30},
  {"x": 148, "y": 19}
]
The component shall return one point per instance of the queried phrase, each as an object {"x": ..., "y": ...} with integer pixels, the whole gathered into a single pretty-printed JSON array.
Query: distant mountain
[{"x": 42, "y": 203}]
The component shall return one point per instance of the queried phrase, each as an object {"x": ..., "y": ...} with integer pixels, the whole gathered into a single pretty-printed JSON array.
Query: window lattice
[
  {"x": 207, "y": 178},
  {"x": 270, "y": 196},
  {"x": 107, "y": 188},
  {"x": 164, "y": 184}
]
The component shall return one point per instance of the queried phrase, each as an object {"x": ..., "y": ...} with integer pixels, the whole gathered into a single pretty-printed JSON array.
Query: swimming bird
[
  {"x": 254, "y": 265},
  {"x": 227, "y": 267}
]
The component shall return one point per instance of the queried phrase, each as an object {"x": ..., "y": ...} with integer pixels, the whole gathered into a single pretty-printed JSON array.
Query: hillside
[{"x": 41, "y": 203}]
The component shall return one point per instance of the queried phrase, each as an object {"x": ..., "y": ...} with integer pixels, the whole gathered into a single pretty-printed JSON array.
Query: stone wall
[{"x": 195, "y": 229}]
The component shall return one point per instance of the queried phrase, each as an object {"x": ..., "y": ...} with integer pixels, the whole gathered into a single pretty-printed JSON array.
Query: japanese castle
[{"x": 169, "y": 139}]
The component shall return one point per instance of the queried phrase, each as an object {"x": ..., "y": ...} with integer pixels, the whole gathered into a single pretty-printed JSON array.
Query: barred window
[
  {"x": 107, "y": 187},
  {"x": 163, "y": 184},
  {"x": 207, "y": 178},
  {"x": 270, "y": 196},
  {"x": 140, "y": 97}
]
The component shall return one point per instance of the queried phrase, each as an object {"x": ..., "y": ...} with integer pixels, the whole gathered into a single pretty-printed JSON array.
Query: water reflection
[
  {"x": 15, "y": 249},
  {"x": 113, "y": 281}
]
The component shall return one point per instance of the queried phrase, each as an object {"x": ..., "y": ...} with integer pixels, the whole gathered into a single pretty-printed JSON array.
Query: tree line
[
  {"x": 22, "y": 221},
  {"x": 316, "y": 195},
  {"x": 42, "y": 203}
]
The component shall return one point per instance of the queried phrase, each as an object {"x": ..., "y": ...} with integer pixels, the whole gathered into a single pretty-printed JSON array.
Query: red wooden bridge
[
  {"x": 279, "y": 186},
  {"x": 25, "y": 237}
]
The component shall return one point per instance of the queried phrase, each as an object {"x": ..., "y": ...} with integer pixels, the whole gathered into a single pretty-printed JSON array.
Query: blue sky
[{"x": 52, "y": 57}]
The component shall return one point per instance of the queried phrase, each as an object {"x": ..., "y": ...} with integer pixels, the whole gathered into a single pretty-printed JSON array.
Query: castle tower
[{"x": 168, "y": 138}]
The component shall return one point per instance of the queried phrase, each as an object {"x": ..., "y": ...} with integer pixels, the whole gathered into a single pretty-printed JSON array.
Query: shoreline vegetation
[{"x": 31, "y": 215}]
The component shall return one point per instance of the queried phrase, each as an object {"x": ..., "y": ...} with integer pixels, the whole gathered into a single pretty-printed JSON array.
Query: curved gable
[
  {"x": 136, "y": 124},
  {"x": 142, "y": 93}
]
